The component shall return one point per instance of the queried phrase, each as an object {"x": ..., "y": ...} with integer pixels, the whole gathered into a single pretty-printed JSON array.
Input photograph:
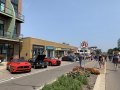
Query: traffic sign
[{"x": 84, "y": 44}]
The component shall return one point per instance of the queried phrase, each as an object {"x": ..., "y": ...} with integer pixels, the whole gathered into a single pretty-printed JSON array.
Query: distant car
[
  {"x": 52, "y": 61},
  {"x": 69, "y": 58},
  {"x": 18, "y": 65},
  {"x": 38, "y": 62}
]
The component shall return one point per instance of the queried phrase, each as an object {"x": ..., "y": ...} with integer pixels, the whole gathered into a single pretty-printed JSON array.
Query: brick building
[{"x": 10, "y": 24}]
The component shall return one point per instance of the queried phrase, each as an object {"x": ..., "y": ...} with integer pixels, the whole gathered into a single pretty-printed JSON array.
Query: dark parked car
[
  {"x": 38, "y": 62},
  {"x": 69, "y": 58}
]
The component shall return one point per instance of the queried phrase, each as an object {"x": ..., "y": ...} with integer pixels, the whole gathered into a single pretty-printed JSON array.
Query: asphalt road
[
  {"x": 5, "y": 75},
  {"x": 34, "y": 81},
  {"x": 112, "y": 77}
]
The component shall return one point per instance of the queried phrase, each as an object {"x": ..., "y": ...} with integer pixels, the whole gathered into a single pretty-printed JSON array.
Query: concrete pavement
[{"x": 112, "y": 77}]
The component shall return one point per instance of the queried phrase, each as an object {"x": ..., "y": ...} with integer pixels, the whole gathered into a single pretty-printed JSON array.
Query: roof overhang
[{"x": 13, "y": 40}]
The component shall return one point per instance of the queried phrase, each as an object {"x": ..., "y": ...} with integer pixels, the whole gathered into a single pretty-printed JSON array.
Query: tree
[
  {"x": 98, "y": 51},
  {"x": 110, "y": 51},
  {"x": 65, "y": 43}
]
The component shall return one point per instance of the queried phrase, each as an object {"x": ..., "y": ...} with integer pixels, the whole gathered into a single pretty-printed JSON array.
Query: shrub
[{"x": 66, "y": 83}]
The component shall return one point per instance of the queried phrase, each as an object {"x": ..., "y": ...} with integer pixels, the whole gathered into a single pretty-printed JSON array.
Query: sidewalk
[
  {"x": 112, "y": 77},
  {"x": 100, "y": 82},
  {"x": 3, "y": 65}
]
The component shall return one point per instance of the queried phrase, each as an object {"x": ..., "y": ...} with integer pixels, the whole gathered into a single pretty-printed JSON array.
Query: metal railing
[
  {"x": 7, "y": 35},
  {"x": 8, "y": 11}
]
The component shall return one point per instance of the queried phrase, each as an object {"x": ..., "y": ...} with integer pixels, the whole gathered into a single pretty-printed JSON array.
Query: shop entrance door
[{"x": 6, "y": 50}]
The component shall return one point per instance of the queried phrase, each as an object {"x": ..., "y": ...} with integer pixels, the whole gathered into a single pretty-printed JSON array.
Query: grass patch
[{"x": 68, "y": 82}]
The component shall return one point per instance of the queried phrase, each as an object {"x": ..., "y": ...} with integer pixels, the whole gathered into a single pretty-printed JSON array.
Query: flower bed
[{"x": 77, "y": 79}]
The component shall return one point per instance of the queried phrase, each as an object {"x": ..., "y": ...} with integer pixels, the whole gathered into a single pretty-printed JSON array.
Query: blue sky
[{"x": 72, "y": 21}]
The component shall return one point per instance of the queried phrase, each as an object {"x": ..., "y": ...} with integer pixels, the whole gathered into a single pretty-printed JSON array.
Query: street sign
[{"x": 84, "y": 44}]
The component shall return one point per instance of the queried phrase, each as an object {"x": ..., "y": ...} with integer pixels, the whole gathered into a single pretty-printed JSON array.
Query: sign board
[{"x": 84, "y": 44}]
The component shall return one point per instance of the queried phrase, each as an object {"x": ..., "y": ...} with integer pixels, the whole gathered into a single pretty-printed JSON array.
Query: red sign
[{"x": 84, "y": 44}]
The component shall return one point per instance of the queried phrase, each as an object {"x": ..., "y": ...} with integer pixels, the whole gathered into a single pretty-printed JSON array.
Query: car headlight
[{"x": 13, "y": 66}]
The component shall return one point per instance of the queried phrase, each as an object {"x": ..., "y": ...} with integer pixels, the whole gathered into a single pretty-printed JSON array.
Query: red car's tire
[{"x": 11, "y": 70}]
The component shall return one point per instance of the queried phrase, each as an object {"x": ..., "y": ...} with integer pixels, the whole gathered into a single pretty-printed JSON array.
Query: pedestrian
[
  {"x": 101, "y": 61},
  {"x": 115, "y": 60},
  {"x": 105, "y": 57},
  {"x": 110, "y": 57},
  {"x": 80, "y": 60}
]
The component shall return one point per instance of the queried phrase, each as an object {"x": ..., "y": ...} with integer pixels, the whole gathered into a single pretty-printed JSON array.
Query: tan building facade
[{"x": 31, "y": 46}]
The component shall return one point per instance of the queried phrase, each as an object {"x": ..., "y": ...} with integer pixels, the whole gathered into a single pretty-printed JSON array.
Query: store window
[
  {"x": 38, "y": 48},
  {"x": 1, "y": 28},
  {"x": 2, "y": 5},
  {"x": 15, "y": 31}
]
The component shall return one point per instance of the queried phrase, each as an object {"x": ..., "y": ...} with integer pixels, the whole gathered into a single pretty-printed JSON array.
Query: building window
[
  {"x": 1, "y": 28},
  {"x": 2, "y": 5},
  {"x": 15, "y": 31},
  {"x": 15, "y": 5}
]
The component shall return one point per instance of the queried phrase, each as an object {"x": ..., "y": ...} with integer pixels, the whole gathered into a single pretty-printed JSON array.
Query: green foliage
[
  {"x": 110, "y": 51},
  {"x": 69, "y": 82}
]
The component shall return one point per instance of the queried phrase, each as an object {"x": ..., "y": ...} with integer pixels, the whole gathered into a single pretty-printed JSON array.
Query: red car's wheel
[
  {"x": 11, "y": 71},
  {"x": 7, "y": 68}
]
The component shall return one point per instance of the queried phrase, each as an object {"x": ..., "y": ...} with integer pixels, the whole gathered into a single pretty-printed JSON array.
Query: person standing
[
  {"x": 101, "y": 61},
  {"x": 80, "y": 60},
  {"x": 115, "y": 60}
]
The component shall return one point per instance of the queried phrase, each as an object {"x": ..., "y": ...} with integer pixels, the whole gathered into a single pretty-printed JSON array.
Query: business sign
[
  {"x": 58, "y": 49},
  {"x": 50, "y": 48}
]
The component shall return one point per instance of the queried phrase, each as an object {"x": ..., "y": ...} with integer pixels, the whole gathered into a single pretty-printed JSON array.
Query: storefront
[
  {"x": 38, "y": 48},
  {"x": 50, "y": 51},
  {"x": 60, "y": 51},
  {"x": 31, "y": 46},
  {"x": 9, "y": 49}
]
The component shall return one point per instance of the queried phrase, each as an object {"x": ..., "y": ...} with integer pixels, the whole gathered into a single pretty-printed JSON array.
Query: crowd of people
[{"x": 101, "y": 59}]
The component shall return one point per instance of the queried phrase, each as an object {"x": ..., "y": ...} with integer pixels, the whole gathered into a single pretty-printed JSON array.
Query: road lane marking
[{"x": 28, "y": 74}]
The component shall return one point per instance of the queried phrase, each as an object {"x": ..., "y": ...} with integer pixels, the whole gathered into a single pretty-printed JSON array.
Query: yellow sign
[{"x": 58, "y": 49}]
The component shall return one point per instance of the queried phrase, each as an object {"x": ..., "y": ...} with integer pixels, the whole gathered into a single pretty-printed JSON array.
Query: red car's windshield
[{"x": 18, "y": 60}]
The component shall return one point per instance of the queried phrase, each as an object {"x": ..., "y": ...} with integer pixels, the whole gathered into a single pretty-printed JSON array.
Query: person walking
[
  {"x": 115, "y": 60},
  {"x": 80, "y": 60},
  {"x": 101, "y": 61}
]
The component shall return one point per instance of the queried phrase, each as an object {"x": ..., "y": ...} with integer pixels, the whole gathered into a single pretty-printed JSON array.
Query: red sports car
[
  {"x": 18, "y": 65},
  {"x": 52, "y": 61}
]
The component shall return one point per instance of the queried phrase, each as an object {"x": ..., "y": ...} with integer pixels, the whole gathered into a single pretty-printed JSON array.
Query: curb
[
  {"x": 40, "y": 88},
  {"x": 100, "y": 81},
  {"x": 50, "y": 82}
]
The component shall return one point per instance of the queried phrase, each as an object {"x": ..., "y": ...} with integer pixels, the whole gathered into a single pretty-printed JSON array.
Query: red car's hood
[
  {"x": 54, "y": 60},
  {"x": 46, "y": 59},
  {"x": 20, "y": 63}
]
